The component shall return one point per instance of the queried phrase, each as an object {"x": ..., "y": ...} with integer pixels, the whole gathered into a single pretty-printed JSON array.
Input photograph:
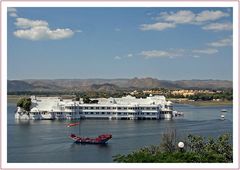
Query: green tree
[
  {"x": 24, "y": 103},
  {"x": 168, "y": 143},
  {"x": 77, "y": 98},
  {"x": 86, "y": 100}
]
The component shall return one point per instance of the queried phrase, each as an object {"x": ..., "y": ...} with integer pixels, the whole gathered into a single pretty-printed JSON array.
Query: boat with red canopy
[{"x": 101, "y": 139}]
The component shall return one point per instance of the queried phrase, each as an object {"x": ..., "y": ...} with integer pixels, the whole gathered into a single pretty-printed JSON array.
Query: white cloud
[
  {"x": 218, "y": 27},
  {"x": 210, "y": 16},
  {"x": 183, "y": 16},
  {"x": 172, "y": 19},
  {"x": 159, "y": 26},
  {"x": 177, "y": 53},
  {"x": 60, "y": 33},
  {"x": 27, "y": 23},
  {"x": 38, "y": 30},
  {"x": 12, "y": 12},
  {"x": 206, "y": 51},
  {"x": 155, "y": 54},
  {"x": 130, "y": 55},
  {"x": 117, "y": 58},
  {"x": 43, "y": 33},
  {"x": 196, "y": 56},
  {"x": 187, "y": 16},
  {"x": 162, "y": 54},
  {"x": 221, "y": 43}
]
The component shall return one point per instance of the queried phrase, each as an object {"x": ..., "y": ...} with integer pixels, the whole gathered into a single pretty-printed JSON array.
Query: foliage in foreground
[
  {"x": 197, "y": 150},
  {"x": 24, "y": 103}
]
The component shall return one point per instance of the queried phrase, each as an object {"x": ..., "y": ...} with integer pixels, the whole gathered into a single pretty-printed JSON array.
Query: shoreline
[
  {"x": 15, "y": 98},
  {"x": 205, "y": 103}
]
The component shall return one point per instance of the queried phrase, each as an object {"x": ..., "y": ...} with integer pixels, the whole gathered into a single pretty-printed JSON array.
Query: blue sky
[{"x": 163, "y": 43}]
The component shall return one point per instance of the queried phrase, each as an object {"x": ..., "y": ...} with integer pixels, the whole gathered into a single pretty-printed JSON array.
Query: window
[
  {"x": 97, "y": 113},
  {"x": 103, "y": 113},
  {"x": 108, "y": 108},
  {"x": 92, "y": 108},
  {"x": 97, "y": 108},
  {"x": 103, "y": 107},
  {"x": 125, "y": 113},
  {"x": 108, "y": 113},
  {"x": 153, "y": 113},
  {"x": 119, "y": 113},
  {"x": 147, "y": 113},
  {"x": 80, "y": 107}
]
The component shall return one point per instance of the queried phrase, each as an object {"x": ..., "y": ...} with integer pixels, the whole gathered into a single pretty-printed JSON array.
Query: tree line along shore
[{"x": 182, "y": 96}]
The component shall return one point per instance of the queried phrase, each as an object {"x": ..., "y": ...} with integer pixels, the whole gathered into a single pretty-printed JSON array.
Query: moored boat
[{"x": 102, "y": 139}]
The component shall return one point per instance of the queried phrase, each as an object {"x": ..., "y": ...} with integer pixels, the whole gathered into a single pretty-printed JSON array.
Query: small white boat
[
  {"x": 223, "y": 110},
  {"x": 222, "y": 116},
  {"x": 176, "y": 113}
]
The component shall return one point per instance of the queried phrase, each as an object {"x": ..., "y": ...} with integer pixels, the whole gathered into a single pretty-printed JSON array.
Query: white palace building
[{"x": 153, "y": 107}]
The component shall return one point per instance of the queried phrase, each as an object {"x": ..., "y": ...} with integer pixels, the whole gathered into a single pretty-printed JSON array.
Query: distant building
[{"x": 190, "y": 92}]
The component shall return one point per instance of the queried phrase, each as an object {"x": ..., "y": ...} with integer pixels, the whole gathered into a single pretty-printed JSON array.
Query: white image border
[{"x": 5, "y": 4}]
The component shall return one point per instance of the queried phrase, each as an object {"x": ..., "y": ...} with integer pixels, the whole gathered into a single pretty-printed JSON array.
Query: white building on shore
[{"x": 154, "y": 107}]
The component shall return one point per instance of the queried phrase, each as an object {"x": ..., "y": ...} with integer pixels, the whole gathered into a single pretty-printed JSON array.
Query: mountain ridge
[{"x": 113, "y": 84}]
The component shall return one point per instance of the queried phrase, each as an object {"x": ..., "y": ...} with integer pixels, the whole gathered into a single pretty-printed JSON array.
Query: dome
[{"x": 112, "y": 100}]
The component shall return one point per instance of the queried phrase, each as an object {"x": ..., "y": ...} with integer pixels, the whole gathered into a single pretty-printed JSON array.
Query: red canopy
[{"x": 73, "y": 124}]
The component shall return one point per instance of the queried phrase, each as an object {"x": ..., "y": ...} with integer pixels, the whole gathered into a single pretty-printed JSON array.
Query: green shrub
[{"x": 198, "y": 150}]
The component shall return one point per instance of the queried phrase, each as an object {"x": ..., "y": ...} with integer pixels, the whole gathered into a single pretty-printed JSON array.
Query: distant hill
[
  {"x": 18, "y": 85},
  {"x": 202, "y": 84},
  {"x": 112, "y": 84}
]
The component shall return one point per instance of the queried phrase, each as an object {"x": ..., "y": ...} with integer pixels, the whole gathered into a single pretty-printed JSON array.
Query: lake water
[{"x": 42, "y": 141}]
